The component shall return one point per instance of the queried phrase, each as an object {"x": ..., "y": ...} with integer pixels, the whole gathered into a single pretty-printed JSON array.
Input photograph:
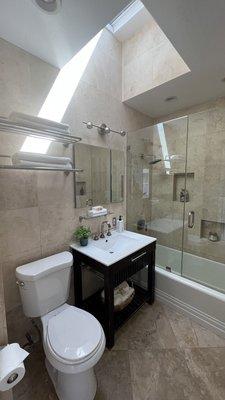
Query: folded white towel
[
  {"x": 23, "y": 157},
  {"x": 46, "y": 165},
  {"x": 121, "y": 293},
  {"x": 97, "y": 208},
  {"x": 93, "y": 213},
  {"x": 38, "y": 122}
]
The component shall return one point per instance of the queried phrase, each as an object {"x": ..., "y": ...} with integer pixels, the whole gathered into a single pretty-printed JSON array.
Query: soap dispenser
[{"x": 120, "y": 224}]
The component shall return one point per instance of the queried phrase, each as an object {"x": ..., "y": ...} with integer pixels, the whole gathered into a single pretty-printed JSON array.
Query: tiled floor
[{"x": 159, "y": 355}]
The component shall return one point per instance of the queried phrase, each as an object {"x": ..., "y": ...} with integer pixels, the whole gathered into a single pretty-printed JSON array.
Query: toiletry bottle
[
  {"x": 89, "y": 204},
  {"x": 120, "y": 224}
]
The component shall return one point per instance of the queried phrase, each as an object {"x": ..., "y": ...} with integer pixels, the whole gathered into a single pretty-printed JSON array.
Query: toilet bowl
[
  {"x": 73, "y": 342},
  {"x": 73, "y": 339}
]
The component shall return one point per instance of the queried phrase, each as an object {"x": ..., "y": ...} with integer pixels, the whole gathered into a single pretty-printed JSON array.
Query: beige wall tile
[
  {"x": 19, "y": 231},
  {"x": 18, "y": 325},
  {"x": 25, "y": 80},
  {"x": 149, "y": 60},
  {"x": 56, "y": 226},
  {"x": 55, "y": 189},
  {"x": 9, "y": 265},
  {"x": 18, "y": 190}
]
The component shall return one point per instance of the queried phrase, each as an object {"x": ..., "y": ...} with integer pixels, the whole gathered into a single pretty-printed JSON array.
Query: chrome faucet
[{"x": 102, "y": 235}]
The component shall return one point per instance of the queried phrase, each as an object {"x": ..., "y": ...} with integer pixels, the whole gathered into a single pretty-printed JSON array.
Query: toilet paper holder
[{"x": 12, "y": 378}]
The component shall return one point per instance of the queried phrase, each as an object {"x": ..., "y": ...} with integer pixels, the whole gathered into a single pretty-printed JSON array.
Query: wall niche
[
  {"x": 213, "y": 228},
  {"x": 179, "y": 184}
]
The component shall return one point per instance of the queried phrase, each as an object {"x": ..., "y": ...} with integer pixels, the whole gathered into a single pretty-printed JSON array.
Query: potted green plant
[{"x": 82, "y": 234}]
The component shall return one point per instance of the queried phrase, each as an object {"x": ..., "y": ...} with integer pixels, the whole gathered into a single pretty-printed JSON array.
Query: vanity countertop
[{"x": 114, "y": 248}]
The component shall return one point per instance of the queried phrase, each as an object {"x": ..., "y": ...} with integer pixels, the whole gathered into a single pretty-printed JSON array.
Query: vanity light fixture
[{"x": 103, "y": 129}]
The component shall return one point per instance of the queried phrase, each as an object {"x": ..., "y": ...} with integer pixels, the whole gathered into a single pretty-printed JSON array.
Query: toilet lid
[{"x": 74, "y": 334}]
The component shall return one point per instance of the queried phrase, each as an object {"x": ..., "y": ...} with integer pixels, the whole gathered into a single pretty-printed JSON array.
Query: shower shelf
[
  {"x": 179, "y": 183},
  {"x": 84, "y": 217},
  {"x": 26, "y": 129},
  {"x": 39, "y": 168},
  {"x": 217, "y": 227},
  {"x": 43, "y": 132}
]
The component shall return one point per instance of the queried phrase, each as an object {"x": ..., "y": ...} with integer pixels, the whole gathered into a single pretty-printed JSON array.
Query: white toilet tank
[{"x": 44, "y": 284}]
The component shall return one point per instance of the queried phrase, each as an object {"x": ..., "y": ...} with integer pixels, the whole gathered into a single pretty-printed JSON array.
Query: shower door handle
[{"x": 191, "y": 219}]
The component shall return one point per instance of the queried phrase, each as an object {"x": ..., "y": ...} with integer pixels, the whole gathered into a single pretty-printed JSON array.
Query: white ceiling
[
  {"x": 58, "y": 37},
  {"x": 196, "y": 28}
]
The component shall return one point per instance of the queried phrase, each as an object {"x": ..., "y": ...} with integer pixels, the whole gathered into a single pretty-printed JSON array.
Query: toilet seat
[{"x": 73, "y": 336}]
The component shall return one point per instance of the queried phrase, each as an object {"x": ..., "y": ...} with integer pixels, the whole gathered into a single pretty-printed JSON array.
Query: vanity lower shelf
[
  {"x": 95, "y": 306},
  {"x": 112, "y": 275}
]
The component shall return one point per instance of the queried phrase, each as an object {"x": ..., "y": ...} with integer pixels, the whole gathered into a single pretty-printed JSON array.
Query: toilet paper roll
[
  {"x": 12, "y": 369},
  {"x": 12, "y": 378}
]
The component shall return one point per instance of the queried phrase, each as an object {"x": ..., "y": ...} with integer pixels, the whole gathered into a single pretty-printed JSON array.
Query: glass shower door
[
  {"x": 204, "y": 227},
  {"x": 156, "y": 161},
  {"x": 167, "y": 167}
]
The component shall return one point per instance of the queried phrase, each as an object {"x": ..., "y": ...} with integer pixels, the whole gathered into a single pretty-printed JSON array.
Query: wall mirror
[
  {"x": 102, "y": 179},
  {"x": 117, "y": 176}
]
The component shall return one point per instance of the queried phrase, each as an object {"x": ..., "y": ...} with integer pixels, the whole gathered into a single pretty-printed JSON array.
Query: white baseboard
[{"x": 199, "y": 316}]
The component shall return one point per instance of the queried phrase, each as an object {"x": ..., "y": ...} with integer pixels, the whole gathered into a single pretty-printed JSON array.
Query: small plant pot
[{"x": 83, "y": 241}]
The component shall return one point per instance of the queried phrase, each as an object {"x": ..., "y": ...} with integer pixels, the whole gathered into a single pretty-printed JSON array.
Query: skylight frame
[{"x": 125, "y": 16}]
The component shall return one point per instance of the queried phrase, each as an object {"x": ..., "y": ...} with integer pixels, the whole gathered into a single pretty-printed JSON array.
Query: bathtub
[
  {"x": 198, "y": 269},
  {"x": 205, "y": 304}
]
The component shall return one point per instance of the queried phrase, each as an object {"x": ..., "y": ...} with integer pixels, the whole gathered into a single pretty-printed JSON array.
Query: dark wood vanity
[{"x": 112, "y": 276}]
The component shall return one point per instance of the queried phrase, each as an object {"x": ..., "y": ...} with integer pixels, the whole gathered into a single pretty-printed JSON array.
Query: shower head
[{"x": 155, "y": 161}]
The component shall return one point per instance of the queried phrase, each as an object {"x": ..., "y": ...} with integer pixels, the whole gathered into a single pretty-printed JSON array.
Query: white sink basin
[
  {"x": 115, "y": 243},
  {"x": 115, "y": 247}
]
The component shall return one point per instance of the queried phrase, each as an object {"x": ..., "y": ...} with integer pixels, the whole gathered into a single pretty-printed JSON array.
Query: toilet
[{"x": 73, "y": 339}]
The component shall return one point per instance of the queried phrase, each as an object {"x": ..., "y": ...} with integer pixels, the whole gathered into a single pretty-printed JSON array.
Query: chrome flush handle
[{"x": 20, "y": 283}]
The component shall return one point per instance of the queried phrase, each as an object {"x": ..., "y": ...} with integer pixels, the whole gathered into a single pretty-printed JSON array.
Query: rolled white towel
[
  {"x": 121, "y": 293},
  {"x": 93, "y": 213},
  {"x": 38, "y": 122},
  {"x": 97, "y": 208},
  {"x": 45, "y": 165},
  {"x": 24, "y": 157}
]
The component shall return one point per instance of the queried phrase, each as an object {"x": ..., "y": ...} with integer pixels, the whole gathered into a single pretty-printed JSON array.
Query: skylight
[
  {"x": 125, "y": 16},
  {"x": 61, "y": 94},
  {"x": 165, "y": 153}
]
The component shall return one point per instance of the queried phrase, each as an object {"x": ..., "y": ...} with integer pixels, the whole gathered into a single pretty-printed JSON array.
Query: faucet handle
[
  {"x": 114, "y": 222},
  {"x": 95, "y": 236},
  {"x": 109, "y": 229}
]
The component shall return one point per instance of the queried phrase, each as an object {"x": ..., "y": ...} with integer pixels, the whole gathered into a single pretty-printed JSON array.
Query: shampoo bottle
[{"x": 120, "y": 224}]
